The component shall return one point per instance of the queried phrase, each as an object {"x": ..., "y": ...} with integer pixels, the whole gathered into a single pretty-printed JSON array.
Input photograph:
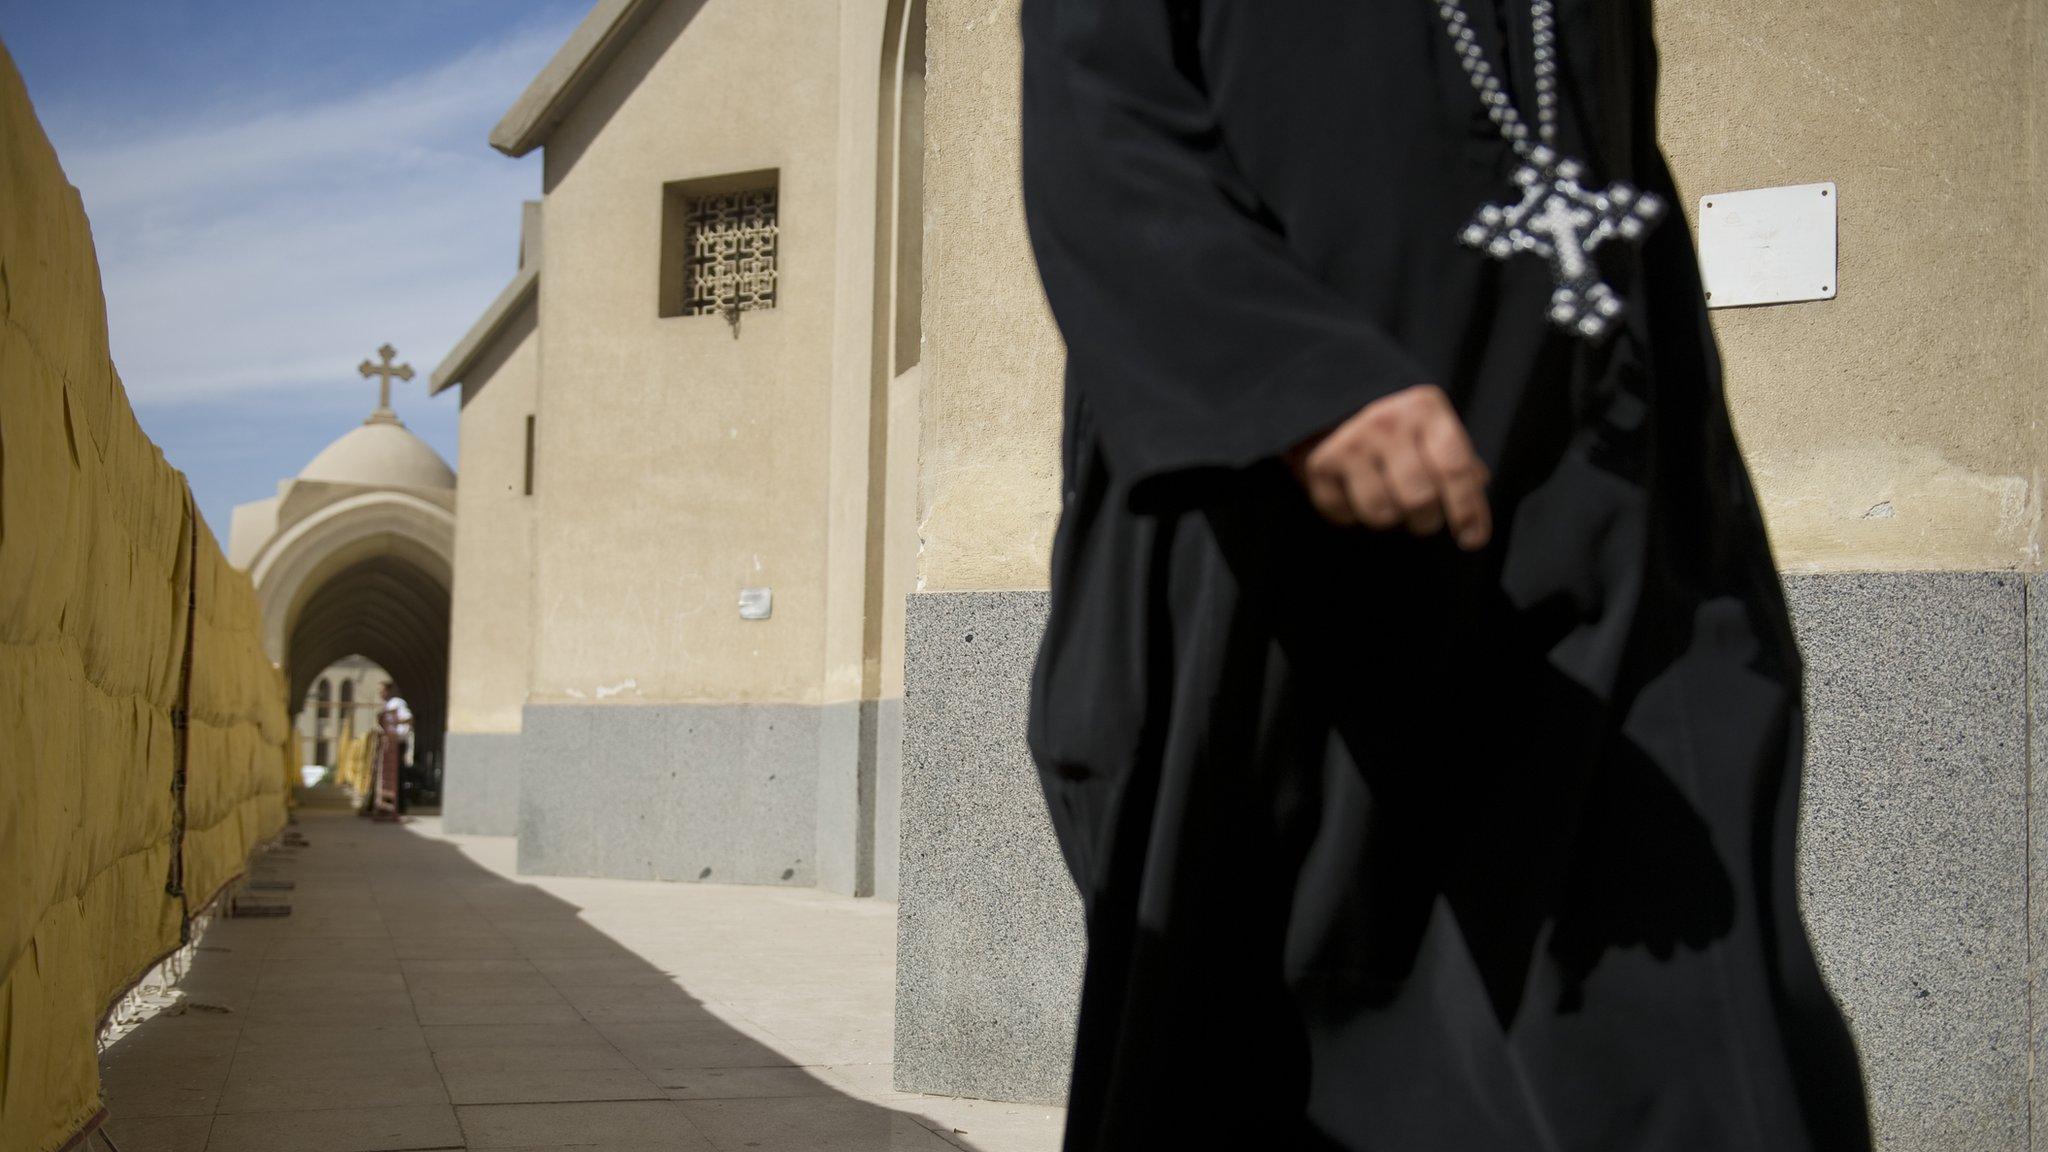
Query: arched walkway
[{"x": 366, "y": 575}]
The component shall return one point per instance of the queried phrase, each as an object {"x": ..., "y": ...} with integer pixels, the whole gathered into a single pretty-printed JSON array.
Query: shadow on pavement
[{"x": 415, "y": 999}]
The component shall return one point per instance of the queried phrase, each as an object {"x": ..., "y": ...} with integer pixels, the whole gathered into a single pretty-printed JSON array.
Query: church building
[
  {"x": 688, "y": 442},
  {"x": 352, "y": 562}
]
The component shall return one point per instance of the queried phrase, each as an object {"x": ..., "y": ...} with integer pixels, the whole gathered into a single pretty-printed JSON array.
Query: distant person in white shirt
[
  {"x": 396, "y": 722},
  {"x": 395, "y": 718}
]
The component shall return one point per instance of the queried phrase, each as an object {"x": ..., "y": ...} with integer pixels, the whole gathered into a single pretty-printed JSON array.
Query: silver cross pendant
[{"x": 1563, "y": 222}]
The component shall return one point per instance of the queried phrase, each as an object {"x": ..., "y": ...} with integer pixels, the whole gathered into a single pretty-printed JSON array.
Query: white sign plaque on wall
[
  {"x": 756, "y": 603},
  {"x": 1768, "y": 245}
]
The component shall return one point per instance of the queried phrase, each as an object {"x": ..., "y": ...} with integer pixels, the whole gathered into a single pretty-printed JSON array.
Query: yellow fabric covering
[
  {"x": 98, "y": 551},
  {"x": 352, "y": 765}
]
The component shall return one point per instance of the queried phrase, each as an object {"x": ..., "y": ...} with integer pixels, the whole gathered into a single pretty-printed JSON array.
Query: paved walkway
[{"x": 422, "y": 996}]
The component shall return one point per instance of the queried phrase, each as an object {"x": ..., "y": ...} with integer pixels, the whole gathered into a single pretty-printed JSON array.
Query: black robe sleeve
[{"x": 1195, "y": 336}]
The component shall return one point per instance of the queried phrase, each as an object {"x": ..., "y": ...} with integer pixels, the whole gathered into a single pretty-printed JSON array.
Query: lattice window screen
[{"x": 729, "y": 252}]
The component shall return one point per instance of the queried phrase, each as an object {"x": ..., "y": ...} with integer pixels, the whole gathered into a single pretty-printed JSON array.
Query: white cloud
[{"x": 279, "y": 246}]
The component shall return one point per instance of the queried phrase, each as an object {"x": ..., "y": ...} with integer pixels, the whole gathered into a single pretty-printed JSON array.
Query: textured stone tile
[
  {"x": 443, "y": 1038},
  {"x": 227, "y": 936},
  {"x": 570, "y": 977},
  {"x": 864, "y": 1081},
  {"x": 605, "y": 1146},
  {"x": 536, "y": 1012},
  {"x": 183, "y": 1086},
  {"x": 1913, "y": 843},
  {"x": 808, "y": 959},
  {"x": 214, "y": 993},
  {"x": 544, "y": 1125},
  {"x": 332, "y": 968},
  {"x": 744, "y": 1083},
  {"x": 330, "y": 984},
  {"x": 831, "y": 1124},
  {"x": 315, "y": 1062},
  {"x": 545, "y": 1085},
  {"x": 832, "y": 1046},
  {"x": 591, "y": 967},
  {"x": 286, "y": 1038},
  {"x": 990, "y": 1125},
  {"x": 474, "y": 966},
  {"x": 445, "y": 935},
  {"x": 331, "y": 1008},
  {"x": 433, "y": 918},
  {"x": 633, "y": 1003},
  {"x": 177, "y": 1038},
  {"x": 331, "y": 929},
  {"x": 556, "y": 1058},
  {"x": 440, "y": 990},
  {"x": 281, "y": 1088},
  {"x": 339, "y": 954},
  {"x": 427, "y": 994},
  {"x": 158, "y": 1134},
  {"x": 989, "y": 935},
  {"x": 357, "y": 1129},
  {"x": 455, "y": 948},
  {"x": 667, "y": 1033},
  {"x": 663, "y": 1061},
  {"x": 226, "y": 970}
]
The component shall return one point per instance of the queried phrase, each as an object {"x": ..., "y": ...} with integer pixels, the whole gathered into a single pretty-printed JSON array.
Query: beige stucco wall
[
  {"x": 858, "y": 287},
  {"x": 491, "y": 615},
  {"x": 874, "y": 397},
  {"x": 1892, "y": 428},
  {"x": 678, "y": 464},
  {"x": 988, "y": 471}
]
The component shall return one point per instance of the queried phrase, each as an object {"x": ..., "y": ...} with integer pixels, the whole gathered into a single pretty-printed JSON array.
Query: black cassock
[{"x": 1383, "y": 845}]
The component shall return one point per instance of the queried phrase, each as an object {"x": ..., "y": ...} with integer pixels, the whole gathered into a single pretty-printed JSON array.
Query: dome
[{"x": 380, "y": 454}]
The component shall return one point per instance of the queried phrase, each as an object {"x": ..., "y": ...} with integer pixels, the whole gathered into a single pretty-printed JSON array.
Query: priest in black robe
[{"x": 1418, "y": 711}]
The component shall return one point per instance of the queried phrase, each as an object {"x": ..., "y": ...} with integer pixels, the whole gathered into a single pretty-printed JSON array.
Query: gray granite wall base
[
  {"x": 1913, "y": 847},
  {"x": 1915, "y": 850},
  {"x": 988, "y": 925},
  {"x": 860, "y": 773},
  {"x": 725, "y": 793},
  {"x": 2037, "y": 843},
  {"x": 888, "y": 794},
  {"x": 480, "y": 783},
  {"x": 846, "y": 798}
]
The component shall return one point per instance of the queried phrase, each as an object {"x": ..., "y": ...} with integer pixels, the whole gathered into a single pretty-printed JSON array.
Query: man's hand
[{"x": 1401, "y": 460}]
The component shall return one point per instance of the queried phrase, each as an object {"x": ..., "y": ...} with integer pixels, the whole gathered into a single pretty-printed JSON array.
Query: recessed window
[{"x": 720, "y": 241}]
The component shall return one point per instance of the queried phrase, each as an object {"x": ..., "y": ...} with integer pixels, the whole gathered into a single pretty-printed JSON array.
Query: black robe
[{"x": 1384, "y": 845}]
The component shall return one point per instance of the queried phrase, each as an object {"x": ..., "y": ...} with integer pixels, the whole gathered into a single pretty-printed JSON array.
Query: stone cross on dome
[{"x": 385, "y": 372}]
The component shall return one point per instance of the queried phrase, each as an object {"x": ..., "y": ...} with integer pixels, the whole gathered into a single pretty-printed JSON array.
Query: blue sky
[{"x": 277, "y": 187}]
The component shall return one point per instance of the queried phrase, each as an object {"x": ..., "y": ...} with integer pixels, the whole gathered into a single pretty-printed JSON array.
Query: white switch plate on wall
[{"x": 1768, "y": 245}]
